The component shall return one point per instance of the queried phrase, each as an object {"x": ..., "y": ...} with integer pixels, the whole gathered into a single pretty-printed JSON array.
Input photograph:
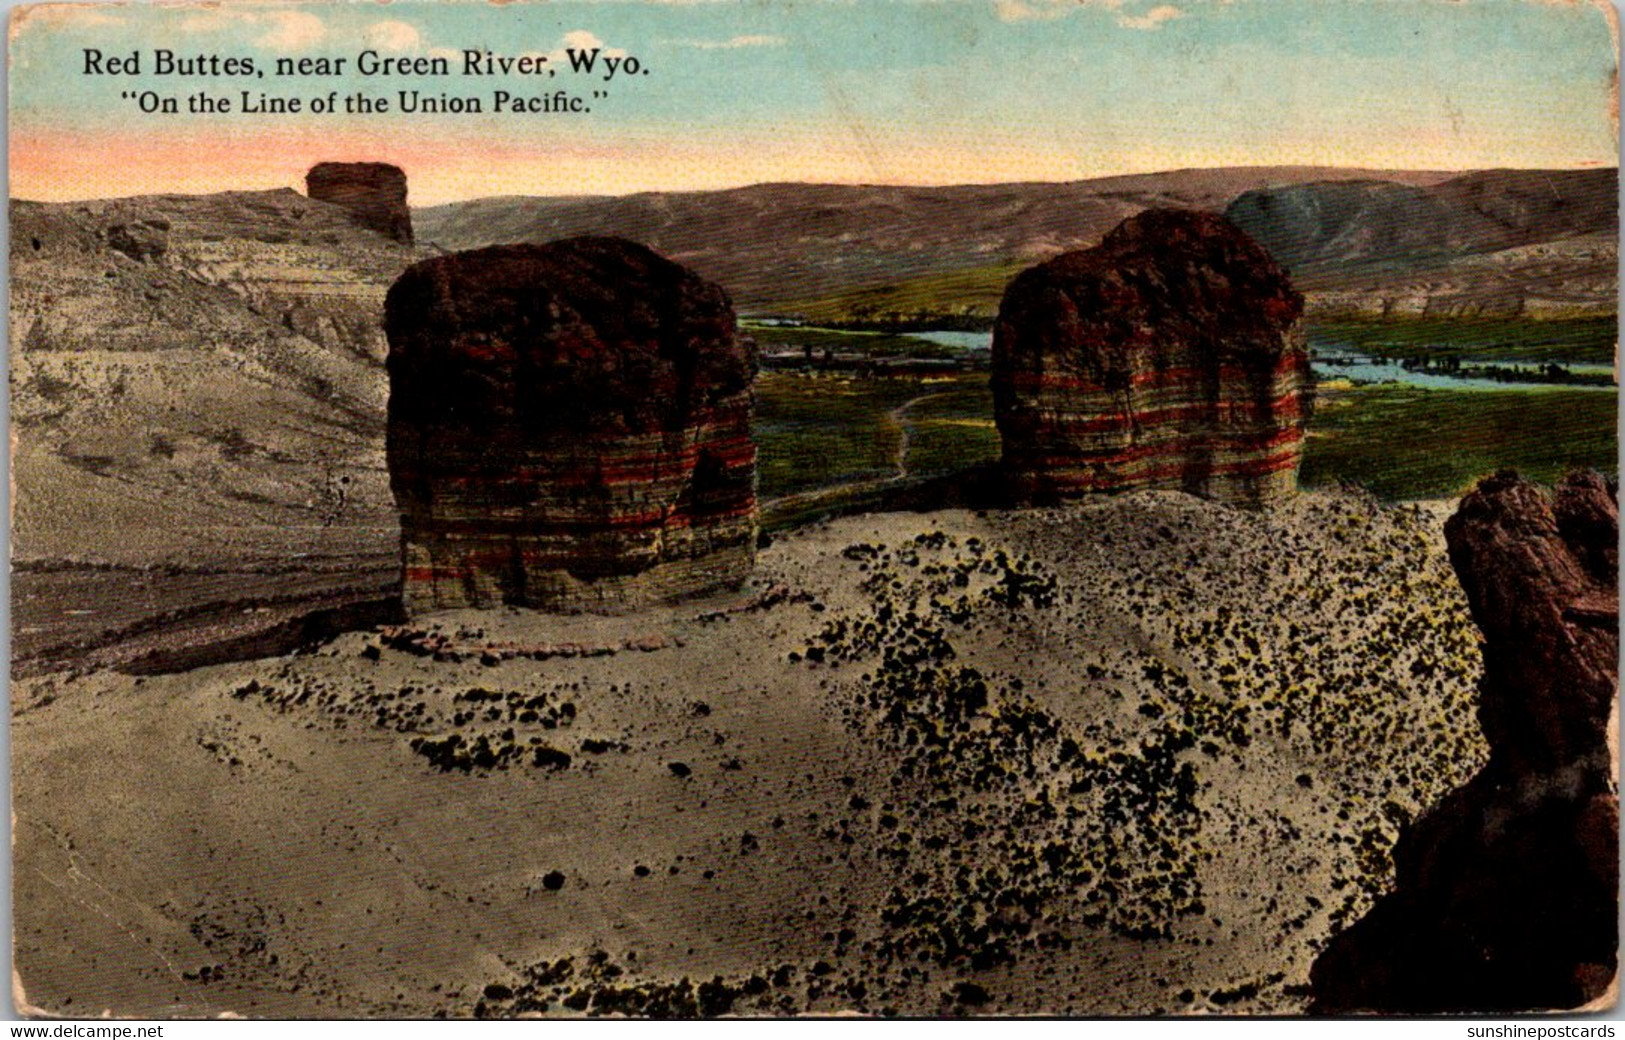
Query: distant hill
[
  {"x": 1314, "y": 225},
  {"x": 1536, "y": 242},
  {"x": 772, "y": 243},
  {"x": 1361, "y": 242}
]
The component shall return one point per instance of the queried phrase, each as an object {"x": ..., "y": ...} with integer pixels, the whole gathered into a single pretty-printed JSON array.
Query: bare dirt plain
[{"x": 1136, "y": 755}]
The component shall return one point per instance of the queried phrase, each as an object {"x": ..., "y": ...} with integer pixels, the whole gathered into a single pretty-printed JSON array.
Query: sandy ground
[{"x": 1131, "y": 756}]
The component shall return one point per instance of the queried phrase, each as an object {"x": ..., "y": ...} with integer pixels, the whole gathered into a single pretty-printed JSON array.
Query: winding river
[{"x": 1336, "y": 362}]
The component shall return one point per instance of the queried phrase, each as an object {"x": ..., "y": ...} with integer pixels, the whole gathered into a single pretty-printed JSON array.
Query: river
[{"x": 1333, "y": 362}]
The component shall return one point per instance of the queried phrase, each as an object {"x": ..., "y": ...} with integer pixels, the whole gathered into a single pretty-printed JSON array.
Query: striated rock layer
[
  {"x": 1170, "y": 356},
  {"x": 373, "y": 193},
  {"x": 1506, "y": 893},
  {"x": 569, "y": 429},
  {"x": 199, "y": 379}
]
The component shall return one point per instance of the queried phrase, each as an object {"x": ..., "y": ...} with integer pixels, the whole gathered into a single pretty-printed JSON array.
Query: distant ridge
[
  {"x": 1326, "y": 222},
  {"x": 1533, "y": 243},
  {"x": 778, "y": 246},
  {"x": 778, "y": 241}
]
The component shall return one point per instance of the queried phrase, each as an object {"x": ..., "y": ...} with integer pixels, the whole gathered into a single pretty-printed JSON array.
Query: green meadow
[
  {"x": 817, "y": 431},
  {"x": 953, "y": 299},
  {"x": 1573, "y": 341},
  {"x": 1404, "y": 443},
  {"x": 953, "y": 428},
  {"x": 1400, "y": 443}
]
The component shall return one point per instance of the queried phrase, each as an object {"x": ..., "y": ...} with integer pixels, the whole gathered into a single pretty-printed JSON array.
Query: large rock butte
[
  {"x": 1170, "y": 356},
  {"x": 374, "y": 194},
  {"x": 1506, "y": 893},
  {"x": 569, "y": 429}
]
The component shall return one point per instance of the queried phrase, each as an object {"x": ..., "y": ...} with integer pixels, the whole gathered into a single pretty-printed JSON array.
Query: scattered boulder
[
  {"x": 373, "y": 193},
  {"x": 1506, "y": 893},
  {"x": 140, "y": 240},
  {"x": 569, "y": 429},
  {"x": 1170, "y": 356}
]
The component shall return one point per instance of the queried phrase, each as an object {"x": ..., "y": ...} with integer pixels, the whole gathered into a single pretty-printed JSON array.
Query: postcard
[{"x": 899, "y": 509}]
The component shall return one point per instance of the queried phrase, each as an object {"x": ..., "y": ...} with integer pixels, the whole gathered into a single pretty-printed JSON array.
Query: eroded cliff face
[
  {"x": 1170, "y": 356},
  {"x": 569, "y": 429},
  {"x": 1506, "y": 894},
  {"x": 374, "y": 194},
  {"x": 199, "y": 379}
]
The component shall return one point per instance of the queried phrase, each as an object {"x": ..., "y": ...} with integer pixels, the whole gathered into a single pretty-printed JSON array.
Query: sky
[{"x": 723, "y": 93}]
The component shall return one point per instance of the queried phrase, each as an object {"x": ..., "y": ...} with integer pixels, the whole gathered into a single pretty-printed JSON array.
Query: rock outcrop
[
  {"x": 1506, "y": 893},
  {"x": 140, "y": 240},
  {"x": 569, "y": 429},
  {"x": 264, "y": 310},
  {"x": 374, "y": 194},
  {"x": 1170, "y": 356}
]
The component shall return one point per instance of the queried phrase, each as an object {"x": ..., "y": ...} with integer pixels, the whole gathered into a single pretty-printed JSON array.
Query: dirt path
[
  {"x": 789, "y": 505},
  {"x": 898, "y": 418}
]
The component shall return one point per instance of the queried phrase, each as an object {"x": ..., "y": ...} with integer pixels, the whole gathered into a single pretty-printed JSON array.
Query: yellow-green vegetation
[
  {"x": 818, "y": 431},
  {"x": 953, "y": 429},
  {"x": 1403, "y": 443},
  {"x": 1400, "y": 443},
  {"x": 944, "y": 300},
  {"x": 1372, "y": 674},
  {"x": 1572, "y": 340}
]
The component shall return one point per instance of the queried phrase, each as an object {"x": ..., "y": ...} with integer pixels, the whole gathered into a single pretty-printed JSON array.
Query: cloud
[
  {"x": 734, "y": 43},
  {"x": 581, "y": 40},
  {"x": 284, "y": 30},
  {"x": 1046, "y": 10},
  {"x": 393, "y": 36},
  {"x": 1049, "y": 10},
  {"x": 71, "y": 15},
  {"x": 292, "y": 30},
  {"x": 205, "y": 21},
  {"x": 1152, "y": 19}
]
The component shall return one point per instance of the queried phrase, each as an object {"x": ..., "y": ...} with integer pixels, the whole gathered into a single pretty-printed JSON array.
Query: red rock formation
[
  {"x": 1169, "y": 356},
  {"x": 1506, "y": 893},
  {"x": 569, "y": 429},
  {"x": 373, "y": 193}
]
